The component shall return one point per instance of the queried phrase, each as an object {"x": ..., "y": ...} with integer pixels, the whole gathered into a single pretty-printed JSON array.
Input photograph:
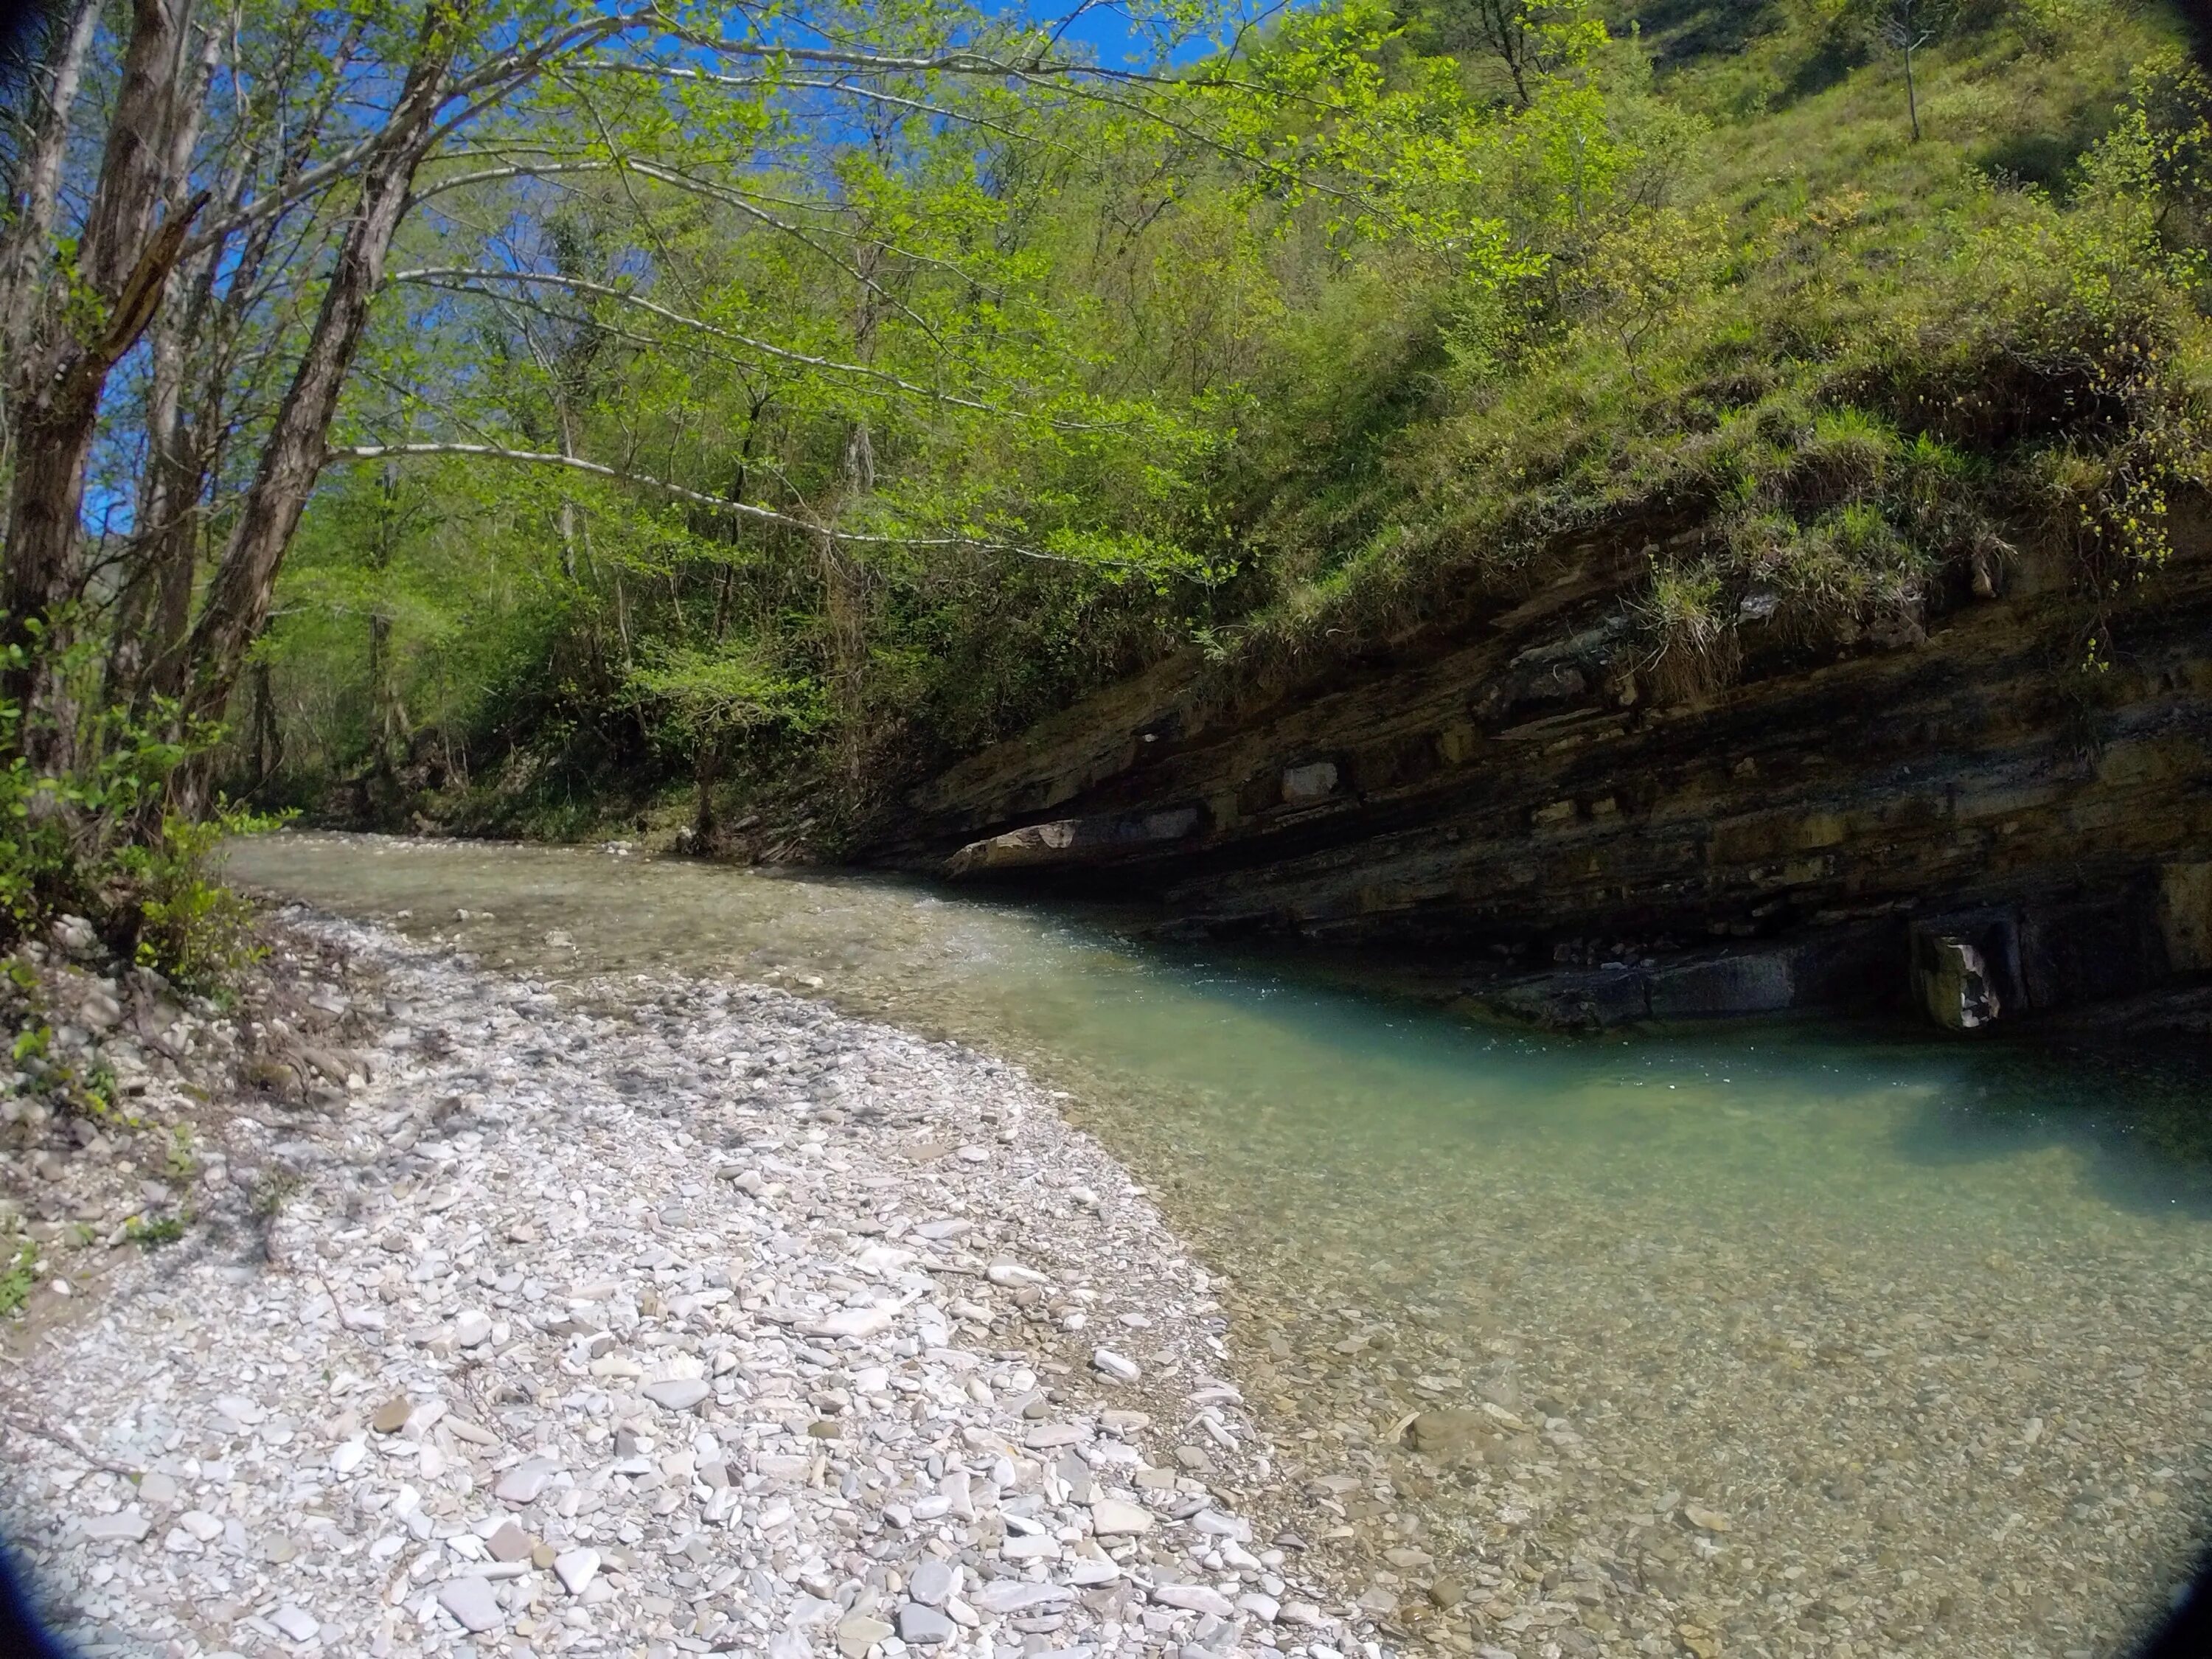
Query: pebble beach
[{"x": 657, "y": 1315}]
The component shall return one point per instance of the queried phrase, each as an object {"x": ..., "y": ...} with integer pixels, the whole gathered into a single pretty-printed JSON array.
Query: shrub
[
  {"x": 191, "y": 927},
  {"x": 1694, "y": 650},
  {"x": 103, "y": 843},
  {"x": 15, "y": 1282}
]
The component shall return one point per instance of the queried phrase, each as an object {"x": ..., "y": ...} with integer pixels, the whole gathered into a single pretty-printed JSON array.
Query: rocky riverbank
[
  {"x": 638, "y": 1316},
  {"x": 1935, "y": 813}
]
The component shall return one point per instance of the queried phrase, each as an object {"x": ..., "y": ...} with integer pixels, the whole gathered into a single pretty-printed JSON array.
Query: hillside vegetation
[{"x": 1477, "y": 279}]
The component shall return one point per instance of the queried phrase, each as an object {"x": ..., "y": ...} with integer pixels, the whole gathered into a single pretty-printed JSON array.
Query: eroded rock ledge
[{"x": 1507, "y": 789}]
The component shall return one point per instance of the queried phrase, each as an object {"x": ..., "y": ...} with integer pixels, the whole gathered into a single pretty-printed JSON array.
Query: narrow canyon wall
[{"x": 1942, "y": 811}]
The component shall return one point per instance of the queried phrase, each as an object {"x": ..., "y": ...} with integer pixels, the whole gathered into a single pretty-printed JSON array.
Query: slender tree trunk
[
  {"x": 706, "y": 769},
  {"x": 238, "y": 598},
  {"x": 163, "y": 513},
  {"x": 157, "y": 597},
  {"x": 568, "y": 502},
  {"x": 569, "y": 537},
  {"x": 391, "y": 735},
  {"x": 217, "y": 322},
  {"x": 844, "y": 581},
  {"x": 123, "y": 266},
  {"x": 30, "y": 237},
  {"x": 1911, "y": 94},
  {"x": 387, "y": 714},
  {"x": 268, "y": 736}
]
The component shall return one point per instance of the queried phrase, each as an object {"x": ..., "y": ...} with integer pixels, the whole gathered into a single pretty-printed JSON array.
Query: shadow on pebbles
[{"x": 648, "y": 1315}]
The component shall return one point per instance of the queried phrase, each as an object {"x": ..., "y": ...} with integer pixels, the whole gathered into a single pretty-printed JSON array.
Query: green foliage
[
  {"x": 191, "y": 927},
  {"x": 271, "y": 1193},
  {"x": 1693, "y": 645},
  {"x": 61, "y": 1083},
  {"x": 1845, "y": 392},
  {"x": 151, "y": 1235},
  {"x": 1273, "y": 355},
  {"x": 704, "y": 695},
  {"x": 70, "y": 1088},
  {"x": 182, "y": 1163},
  {"x": 18, "y": 1277},
  {"x": 102, "y": 843}
]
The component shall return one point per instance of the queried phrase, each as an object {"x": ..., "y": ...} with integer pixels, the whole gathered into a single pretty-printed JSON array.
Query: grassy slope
[{"x": 1888, "y": 369}]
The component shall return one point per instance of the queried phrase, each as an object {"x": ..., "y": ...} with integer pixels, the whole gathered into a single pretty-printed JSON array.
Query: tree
[
  {"x": 1908, "y": 27},
  {"x": 107, "y": 283},
  {"x": 315, "y": 181},
  {"x": 803, "y": 319},
  {"x": 1531, "y": 39}
]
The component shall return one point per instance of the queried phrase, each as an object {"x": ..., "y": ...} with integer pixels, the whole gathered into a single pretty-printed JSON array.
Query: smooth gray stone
[
  {"x": 932, "y": 1582},
  {"x": 125, "y": 1526},
  {"x": 470, "y": 1600},
  {"x": 680, "y": 1393},
  {"x": 922, "y": 1626},
  {"x": 1015, "y": 1596}
]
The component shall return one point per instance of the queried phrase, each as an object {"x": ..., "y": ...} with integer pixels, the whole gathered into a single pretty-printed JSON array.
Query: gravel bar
[{"x": 653, "y": 1315}]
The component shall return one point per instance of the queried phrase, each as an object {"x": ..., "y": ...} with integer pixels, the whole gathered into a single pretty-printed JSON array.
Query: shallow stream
[{"x": 1800, "y": 1339}]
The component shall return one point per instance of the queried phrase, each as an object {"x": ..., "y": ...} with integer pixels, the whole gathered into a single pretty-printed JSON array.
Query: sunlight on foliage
[{"x": 1260, "y": 358}]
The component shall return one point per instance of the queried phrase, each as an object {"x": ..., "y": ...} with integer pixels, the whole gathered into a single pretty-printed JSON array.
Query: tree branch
[
  {"x": 967, "y": 65},
  {"x": 445, "y": 277},
  {"x": 872, "y": 95},
  {"x": 493, "y": 80},
  {"x": 700, "y": 498}
]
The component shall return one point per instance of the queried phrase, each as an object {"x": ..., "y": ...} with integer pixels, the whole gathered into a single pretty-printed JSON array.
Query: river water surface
[{"x": 1764, "y": 1338}]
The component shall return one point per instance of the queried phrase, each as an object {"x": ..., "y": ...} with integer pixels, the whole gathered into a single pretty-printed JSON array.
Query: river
[{"x": 1845, "y": 1342}]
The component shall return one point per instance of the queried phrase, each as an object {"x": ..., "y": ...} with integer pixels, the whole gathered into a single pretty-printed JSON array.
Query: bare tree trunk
[
  {"x": 387, "y": 712},
  {"x": 1912, "y": 92},
  {"x": 123, "y": 266},
  {"x": 38, "y": 187},
  {"x": 217, "y": 322},
  {"x": 844, "y": 581},
  {"x": 390, "y": 734},
  {"x": 706, "y": 769},
  {"x": 568, "y": 502},
  {"x": 237, "y": 599},
  {"x": 156, "y": 594},
  {"x": 164, "y": 515},
  {"x": 268, "y": 736}
]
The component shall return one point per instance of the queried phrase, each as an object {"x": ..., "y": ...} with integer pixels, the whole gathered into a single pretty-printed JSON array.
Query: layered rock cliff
[{"x": 1939, "y": 806}]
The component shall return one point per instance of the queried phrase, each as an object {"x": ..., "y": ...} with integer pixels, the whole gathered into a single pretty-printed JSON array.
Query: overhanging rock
[{"x": 1074, "y": 841}]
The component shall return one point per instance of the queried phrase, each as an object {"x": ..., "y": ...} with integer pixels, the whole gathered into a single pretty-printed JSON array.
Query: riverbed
[{"x": 1783, "y": 1339}]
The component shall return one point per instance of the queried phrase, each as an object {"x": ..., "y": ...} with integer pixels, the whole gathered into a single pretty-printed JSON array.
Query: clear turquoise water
[{"x": 1926, "y": 1320}]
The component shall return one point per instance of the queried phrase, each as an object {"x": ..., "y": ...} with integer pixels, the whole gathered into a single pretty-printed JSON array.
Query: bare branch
[
  {"x": 699, "y": 498},
  {"x": 751, "y": 210},
  {"x": 68, "y": 1439},
  {"x": 1287, "y": 175},
  {"x": 483, "y": 87},
  {"x": 447, "y": 277},
  {"x": 871, "y": 94},
  {"x": 306, "y": 184},
  {"x": 965, "y": 64}
]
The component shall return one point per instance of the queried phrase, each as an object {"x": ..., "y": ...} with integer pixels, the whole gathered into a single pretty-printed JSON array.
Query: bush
[
  {"x": 18, "y": 1279},
  {"x": 104, "y": 844},
  {"x": 191, "y": 928}
]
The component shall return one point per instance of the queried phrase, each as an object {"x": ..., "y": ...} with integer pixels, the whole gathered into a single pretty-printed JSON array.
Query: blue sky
[{"x": 1120, "y": 42}]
